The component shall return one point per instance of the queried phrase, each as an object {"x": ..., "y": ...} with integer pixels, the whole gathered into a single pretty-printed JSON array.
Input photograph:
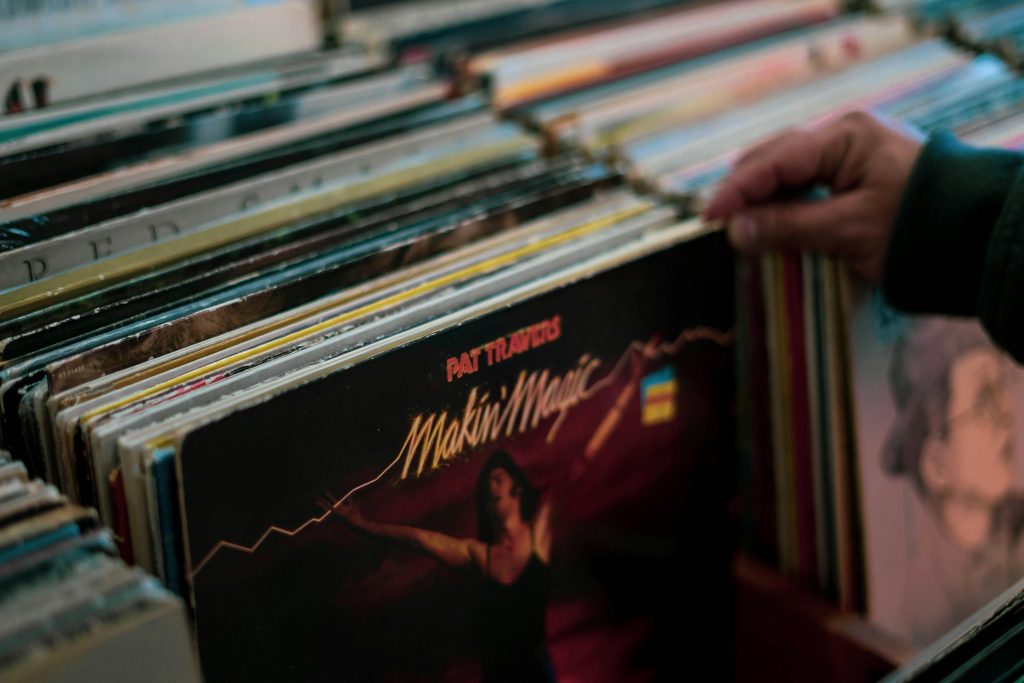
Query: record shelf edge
[{"x": 786, "y": 632}]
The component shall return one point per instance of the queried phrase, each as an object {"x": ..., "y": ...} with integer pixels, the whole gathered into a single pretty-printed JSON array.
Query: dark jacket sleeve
[{"x": 957, "y": 246}]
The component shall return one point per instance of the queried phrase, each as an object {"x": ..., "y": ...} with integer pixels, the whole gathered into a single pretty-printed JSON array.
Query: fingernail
[{"x": 743, "y": 232}]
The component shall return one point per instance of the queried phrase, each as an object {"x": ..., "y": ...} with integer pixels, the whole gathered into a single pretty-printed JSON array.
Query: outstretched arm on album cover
[{"x": 457, "y": 553}]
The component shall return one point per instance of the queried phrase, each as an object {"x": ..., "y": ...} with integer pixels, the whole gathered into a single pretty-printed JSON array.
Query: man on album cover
[{"x": 954, "y": 440}]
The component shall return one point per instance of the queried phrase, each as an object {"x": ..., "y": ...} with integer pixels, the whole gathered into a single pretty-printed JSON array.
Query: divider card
[{"x": 540, "y": 491}]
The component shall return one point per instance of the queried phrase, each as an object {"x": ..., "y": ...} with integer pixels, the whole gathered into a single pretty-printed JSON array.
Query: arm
[
  {"x": 610, "y": 421},
  {"x": 456, "y": 553},
  {"x": 956, "y": 241},
  {"x": 542, "y": 531}
]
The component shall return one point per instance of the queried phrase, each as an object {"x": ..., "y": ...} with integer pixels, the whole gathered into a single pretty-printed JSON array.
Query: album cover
[
  {"x": 942, "y": 467},
  {"x": 537, "y": 494}
]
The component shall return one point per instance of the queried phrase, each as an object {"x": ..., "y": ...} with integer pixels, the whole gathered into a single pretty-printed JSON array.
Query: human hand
[
  {"x": 638, "y": 359},
  {"x": 348, "y": 511},
  {"x": 863, "y": 159}
]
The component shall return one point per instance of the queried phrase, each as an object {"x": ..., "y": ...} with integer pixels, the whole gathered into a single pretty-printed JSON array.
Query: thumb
[{"x": 791, "y": 225}]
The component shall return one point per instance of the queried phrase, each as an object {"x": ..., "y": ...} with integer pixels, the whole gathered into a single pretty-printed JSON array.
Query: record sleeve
[{"x": 609, "y": 414}]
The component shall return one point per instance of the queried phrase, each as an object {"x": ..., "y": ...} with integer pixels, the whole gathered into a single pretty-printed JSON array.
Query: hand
[
  {"x": 864, "y": 160},
  {"x": 348, "y": 511},
  {"x": 638, "y": 359}
]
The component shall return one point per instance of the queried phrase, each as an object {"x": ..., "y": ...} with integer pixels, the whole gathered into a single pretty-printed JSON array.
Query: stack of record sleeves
[
  {"x": 404, "y": 360},
  {"x": 447, "y": 31},
  {"x": 372, "y": 382},
  {"x": 941, "y": 15},
  {"x": 605, "y": 120},
  {"x": 536, "y": 70},
  {"x": 999, "y": 30},
  {"x": 72, "y": 610},
  {"x": 685, "y": 159}
]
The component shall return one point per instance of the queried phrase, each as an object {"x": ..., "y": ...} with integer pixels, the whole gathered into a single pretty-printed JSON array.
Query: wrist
[{"x": 939, "y": 239}]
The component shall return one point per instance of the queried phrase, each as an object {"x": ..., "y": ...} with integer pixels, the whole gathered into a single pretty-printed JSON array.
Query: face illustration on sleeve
[
  {"x": 954, "y": 431},
  {"x": 966, "y": 467}
]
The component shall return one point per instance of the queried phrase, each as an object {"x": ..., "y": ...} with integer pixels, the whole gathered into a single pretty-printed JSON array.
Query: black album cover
[{"x": 537, "y": 494}]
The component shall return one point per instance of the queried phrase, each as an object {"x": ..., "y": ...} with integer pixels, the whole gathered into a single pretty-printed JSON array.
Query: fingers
[
  {"x": 765, "y": 147},
  {"x": 793, "y": 160},
  {"x": 812, "y": 225},
  {"x": 328, "y": 503},
  {"x": 650, "y": 350}
]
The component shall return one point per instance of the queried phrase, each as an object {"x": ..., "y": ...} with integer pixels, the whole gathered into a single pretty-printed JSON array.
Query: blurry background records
[{"x": 73, "y": 610}]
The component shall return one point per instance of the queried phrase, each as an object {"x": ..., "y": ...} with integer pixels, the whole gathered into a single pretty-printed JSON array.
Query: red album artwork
[{"x": 539, "y": 494}]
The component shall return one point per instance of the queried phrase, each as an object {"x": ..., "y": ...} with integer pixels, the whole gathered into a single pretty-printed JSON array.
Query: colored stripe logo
[{"x": 659, "y": 391}]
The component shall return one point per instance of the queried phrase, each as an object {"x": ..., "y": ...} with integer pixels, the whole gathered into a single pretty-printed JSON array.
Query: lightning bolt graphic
[{"x": 665, "y": 349}]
